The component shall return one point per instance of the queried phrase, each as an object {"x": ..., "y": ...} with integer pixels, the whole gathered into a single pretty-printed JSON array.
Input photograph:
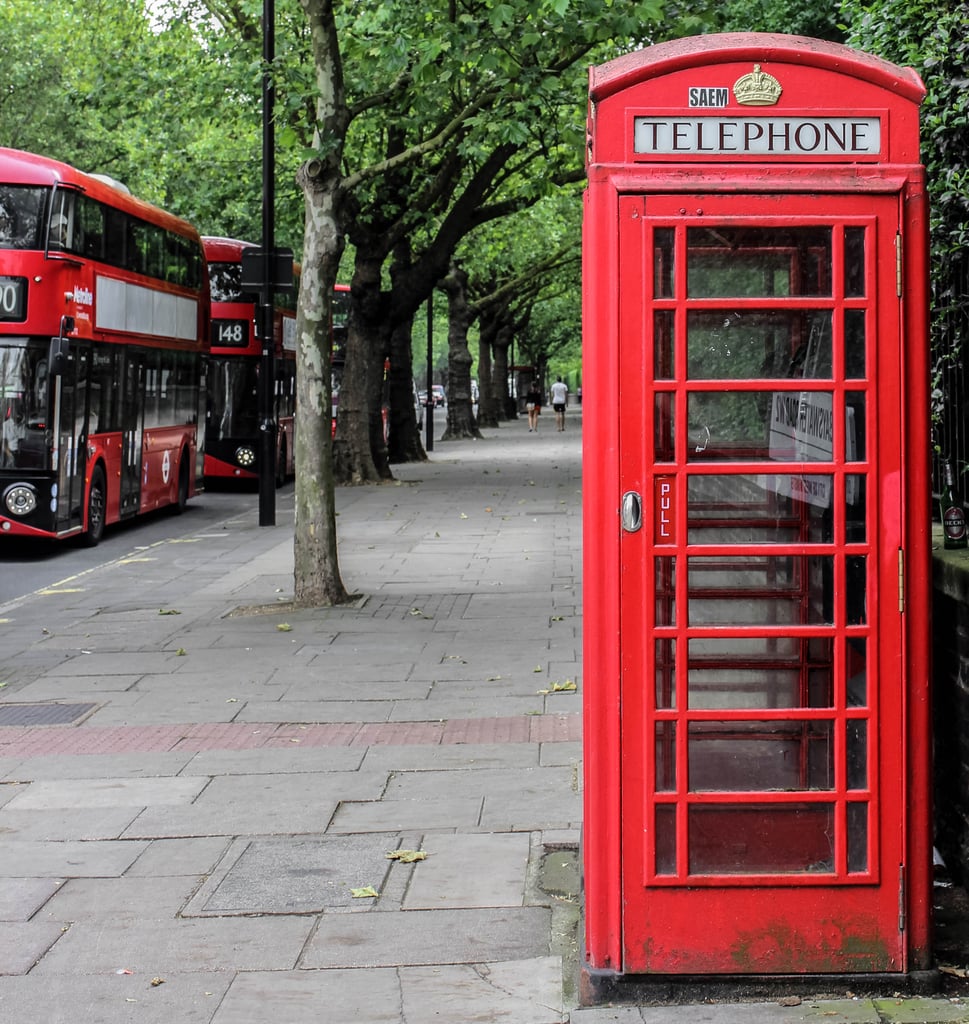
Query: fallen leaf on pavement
[
  {"x": 366, "y": 891},
  {"x": 406, "y": 856}
]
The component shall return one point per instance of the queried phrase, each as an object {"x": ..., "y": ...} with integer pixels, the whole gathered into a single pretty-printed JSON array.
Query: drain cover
[{"x": 42, "y": 714}]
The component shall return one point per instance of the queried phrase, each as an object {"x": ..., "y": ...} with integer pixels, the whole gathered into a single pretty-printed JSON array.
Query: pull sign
[{"x": 665, "y": 512}]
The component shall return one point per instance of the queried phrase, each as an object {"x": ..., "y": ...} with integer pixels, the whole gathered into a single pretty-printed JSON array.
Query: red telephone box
[{"x": 756, "y": 479}]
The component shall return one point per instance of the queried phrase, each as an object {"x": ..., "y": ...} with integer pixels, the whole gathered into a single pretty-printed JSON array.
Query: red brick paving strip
[{"x": 16, "y": 741}]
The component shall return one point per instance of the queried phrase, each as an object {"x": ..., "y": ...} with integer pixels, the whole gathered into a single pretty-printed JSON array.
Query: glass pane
[
  {"x": 760, "y": 590},
  {"x": 761, "y": 839},
  {"x": 857, "y": 837},
  {"x": 665, "y": 840},
  {"x": 665, "y": 569},
  {"x": 759, "y": 509},
  {"x": 665, "y": 757},
  {"x": 786, "y": 426},
  {"x": 802, "y": 427},
  {"x": 856, "y": 753},
  {"x": 856, "y": 520},
  {"x": 856, "y": 671},
  {"x": 728, "y": 425},
  {"x": 855, "y": 358},
  {"x": 763, "y": 756},
  {"x": 854, "y": 262},
  {"x": 855, "y": 426},
  {"x": 753, "y": 262},
  {"x": 664, "y": 442},
  {"x": 665, "y": 673},
  {"x": 663, "y": 263},
  {"x": 663, "y": 320},
  {"x": 856, "y": 580},
  {"x": 751, "y": 344},
  {"x": 760, "y": 672}
]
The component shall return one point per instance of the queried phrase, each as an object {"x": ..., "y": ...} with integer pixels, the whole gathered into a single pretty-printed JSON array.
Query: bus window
[
  {"x": 23, "y": 406},
  {"x": 20, "y": 216}
]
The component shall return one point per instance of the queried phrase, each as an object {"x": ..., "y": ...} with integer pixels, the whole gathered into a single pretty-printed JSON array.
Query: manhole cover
[{"x": 42, "y": 714}]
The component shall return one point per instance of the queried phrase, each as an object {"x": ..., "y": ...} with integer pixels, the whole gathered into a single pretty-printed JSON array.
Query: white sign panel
[
  {"x": 802, "y": 430},
  {"x": 757, "y": 136}
]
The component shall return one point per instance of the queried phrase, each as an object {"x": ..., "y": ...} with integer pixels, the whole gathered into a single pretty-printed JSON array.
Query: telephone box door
[{"x": 763, "y": 799}]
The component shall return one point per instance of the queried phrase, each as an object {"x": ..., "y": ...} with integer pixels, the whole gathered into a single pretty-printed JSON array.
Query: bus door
[
  {"x": 132, "y": 400},
  {"x": 70, "y": 410},
  {"x": 762, "y": 633}
]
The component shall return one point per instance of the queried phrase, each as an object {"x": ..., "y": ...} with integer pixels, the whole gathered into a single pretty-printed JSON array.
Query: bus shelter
[{"x": 757, "y": 482}]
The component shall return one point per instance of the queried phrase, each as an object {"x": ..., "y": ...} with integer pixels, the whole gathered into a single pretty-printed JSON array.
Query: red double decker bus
[
  {"x": 103, "y": 338},
  {"x": 232, "y": 435}
]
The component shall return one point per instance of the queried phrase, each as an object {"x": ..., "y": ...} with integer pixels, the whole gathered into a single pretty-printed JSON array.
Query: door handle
[{"x": 632, "y": 511}]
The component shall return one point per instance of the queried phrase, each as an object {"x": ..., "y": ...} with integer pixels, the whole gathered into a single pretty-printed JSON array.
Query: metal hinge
[
  {"x": 901, "y": 580},
  {"x": 898, "y": 264},
  {"x": 901, "y": 897}
]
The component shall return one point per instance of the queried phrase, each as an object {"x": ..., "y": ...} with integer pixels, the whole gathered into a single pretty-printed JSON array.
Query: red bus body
[
  {"x": 232, "y": 436},
  {"x": 101, "y": 424}
]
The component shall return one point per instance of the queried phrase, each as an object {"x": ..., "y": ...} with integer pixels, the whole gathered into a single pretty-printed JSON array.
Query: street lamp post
[{"x": 264, "y": 321}]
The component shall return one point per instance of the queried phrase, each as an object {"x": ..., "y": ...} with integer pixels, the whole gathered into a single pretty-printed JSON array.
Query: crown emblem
[{"x": 758, "y": 89}]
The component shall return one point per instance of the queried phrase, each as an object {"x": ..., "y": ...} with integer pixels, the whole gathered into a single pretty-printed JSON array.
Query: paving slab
[
  {"x": 292, "y": 759},
  {"x": 312, "y": 997},
  {"x": 412, "y": 815},
  {"x": 126, "y": 901},
  {"x": 909, "y": 1010},
  {"x": 842, "y": 1011},
  {"x": 23, "y": 944},
  {"x": 384, "y": 939},
  {"x": 259, "y": 805},
  {"x": 196, "y": 856},
  {"x": 67, "y": 824},
  {"x": 516, "y": 992},
  {"x": 102, "y": 766},
  {"x": 470, "y": 756},
  {"x": 480, "y": 870},
  {"x": 69, "y": 859},
  {"x": 297, "y": 875},
  {"x": 159, "y": 947},
  {"x": 113, "y": 999},
  {"x": 99, "y": 792},
  {"x": 21, "y": 898}
]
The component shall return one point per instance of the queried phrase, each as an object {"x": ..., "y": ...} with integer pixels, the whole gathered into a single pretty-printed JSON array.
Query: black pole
[
  {"x": 264, "y": 320},
  {"x": 429, "y": 419}
]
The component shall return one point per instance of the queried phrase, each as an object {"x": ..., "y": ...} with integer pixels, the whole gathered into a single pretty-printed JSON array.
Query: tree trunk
[
  {"x": 403, "y": 438},
  {"x": 317, "y": 572},
  {"x": 460, "y": 415},
  {"x": 316, "y": 566},
  {"x": 358, "y": 407},
  {"x": 487, "y": 401},
  {"x": 500, "y": 373}
]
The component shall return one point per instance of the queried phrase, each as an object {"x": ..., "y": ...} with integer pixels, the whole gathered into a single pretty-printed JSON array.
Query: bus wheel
[
  {"x": 181, "y": 498},
  {"x": 97, "y": 501},
  {"x": 281, "y": 466}
]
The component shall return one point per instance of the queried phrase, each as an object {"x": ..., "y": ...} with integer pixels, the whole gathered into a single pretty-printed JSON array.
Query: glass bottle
[{"x": 953, "y": 514}]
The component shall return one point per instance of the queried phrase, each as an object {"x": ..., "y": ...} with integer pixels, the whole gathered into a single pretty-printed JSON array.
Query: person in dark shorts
[{"x": 560, "y": 395}]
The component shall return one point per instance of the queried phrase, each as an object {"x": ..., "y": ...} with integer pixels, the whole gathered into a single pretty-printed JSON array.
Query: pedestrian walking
[
  {"x": 560, "y": 395},
  {"x": 533, "y": 405}
]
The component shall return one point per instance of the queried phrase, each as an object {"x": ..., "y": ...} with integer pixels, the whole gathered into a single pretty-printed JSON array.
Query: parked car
[{"x": 438, "y": 391}]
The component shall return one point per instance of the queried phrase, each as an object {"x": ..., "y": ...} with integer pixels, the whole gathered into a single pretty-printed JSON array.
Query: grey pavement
[{"x": 218, "y": 809}]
